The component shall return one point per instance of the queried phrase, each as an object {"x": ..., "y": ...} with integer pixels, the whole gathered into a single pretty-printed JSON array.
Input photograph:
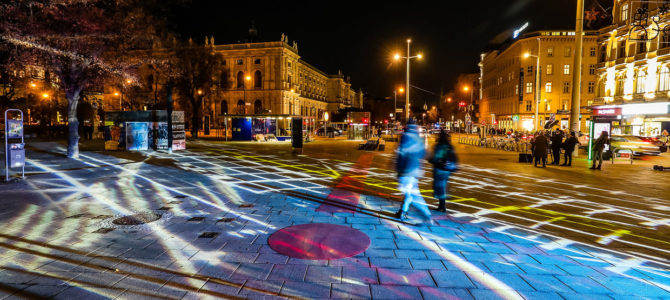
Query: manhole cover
[
  {"x": 319, "y": 241},
  {"x": 247, "y": 205},
  {"x": 103, "y": 230},
  {"x": 137, "y": 219},
  {"x": 208, "y": 235},
  {"x": 225, "y": 220}
]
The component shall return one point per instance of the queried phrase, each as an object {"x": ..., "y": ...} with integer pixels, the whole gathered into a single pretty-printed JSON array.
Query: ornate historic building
[
  {"x": 634, "y": 69},
  {"x": 508, "y": 79},
  {"x": 271, "y": 78}
]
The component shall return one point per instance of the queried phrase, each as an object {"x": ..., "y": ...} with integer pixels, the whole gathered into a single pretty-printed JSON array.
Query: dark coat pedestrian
[
  {"x": 540, "y": 149},
  {"x": 556, "y": 141},
  {"x": 444, "y": 162},
  {"x": 569, "y": 147}
]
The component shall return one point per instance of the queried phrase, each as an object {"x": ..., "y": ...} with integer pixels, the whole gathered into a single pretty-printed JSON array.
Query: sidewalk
[{"x": 217, "y": 213}]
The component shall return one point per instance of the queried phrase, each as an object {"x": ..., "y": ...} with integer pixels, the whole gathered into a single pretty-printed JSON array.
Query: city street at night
[
  {"x": 199, "y": 149},
  {"x": 507, "y": 233}
]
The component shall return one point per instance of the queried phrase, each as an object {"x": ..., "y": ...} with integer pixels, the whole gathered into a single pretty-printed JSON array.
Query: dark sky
[{"x": 360, "y": 37}]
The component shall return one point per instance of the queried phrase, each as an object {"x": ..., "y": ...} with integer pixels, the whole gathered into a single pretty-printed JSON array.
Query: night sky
[{"x": 360, "y": 38}]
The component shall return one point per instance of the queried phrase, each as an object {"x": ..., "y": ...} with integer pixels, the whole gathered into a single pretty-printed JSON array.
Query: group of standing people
[
  {"x": 540, "y": 146},
  {"x": 410, "y": 154}
]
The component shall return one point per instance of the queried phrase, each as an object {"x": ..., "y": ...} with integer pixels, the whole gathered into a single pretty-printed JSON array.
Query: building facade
[
  {"x": 508, "y": 80},
  {"x": 271, "y": 78},
  {"x": 634, "y": 70}
]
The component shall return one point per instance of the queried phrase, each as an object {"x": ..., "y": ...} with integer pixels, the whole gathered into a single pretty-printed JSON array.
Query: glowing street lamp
[
  {"x": 407, "y": 58},
  {"x": 395, "y": 100},
  {"x": 45, "y": 95}
]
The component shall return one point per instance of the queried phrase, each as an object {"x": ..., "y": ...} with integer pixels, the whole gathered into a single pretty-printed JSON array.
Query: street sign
[{"x": 398, "y": 110}]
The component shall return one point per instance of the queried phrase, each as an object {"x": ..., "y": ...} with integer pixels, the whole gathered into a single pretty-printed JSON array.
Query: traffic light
[
  {"x": 461, "y": 104},
  {"x": 386, "y": 121}
]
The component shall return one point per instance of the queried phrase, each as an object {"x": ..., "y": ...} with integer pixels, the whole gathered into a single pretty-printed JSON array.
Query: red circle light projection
[{"x": 319, "y": 241}]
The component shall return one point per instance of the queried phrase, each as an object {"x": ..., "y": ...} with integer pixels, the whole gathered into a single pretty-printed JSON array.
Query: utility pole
[
  {"x": 577, "y": 72},
  {"x": 407, "y": 85}
]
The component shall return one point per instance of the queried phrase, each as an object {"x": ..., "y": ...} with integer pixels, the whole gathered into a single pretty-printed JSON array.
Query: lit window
[
  {"x": 529, "y": 87},
  {"x": 664, "y": 79},
  {"x": 550, "y": 69},
  {"x": 547, "y": 105},
  {"x": 567, "y": 51},
  {"x": 566, "y": 69},
  {"x": 547, "y": 87},
  {"x": 550, "y": 51},
  {"x": 640, "y": 82},
  {"x": 624, "y": 13}
]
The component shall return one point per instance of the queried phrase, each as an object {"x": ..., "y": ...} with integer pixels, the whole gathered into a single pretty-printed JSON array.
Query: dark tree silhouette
[{"x": 81, "y": 42}]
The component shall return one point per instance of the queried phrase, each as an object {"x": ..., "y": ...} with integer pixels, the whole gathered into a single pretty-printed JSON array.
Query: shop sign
[
  {"x": 612, "y": 111},
  {"x": 515, "y": 118},
  {"x": 645, "y": 109}
]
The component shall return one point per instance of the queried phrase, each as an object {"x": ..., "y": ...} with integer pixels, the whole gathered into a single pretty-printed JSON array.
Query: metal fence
[{"x": 498, "y": 143}]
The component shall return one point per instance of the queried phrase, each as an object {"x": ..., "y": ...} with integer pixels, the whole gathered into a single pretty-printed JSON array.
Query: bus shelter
[{"x": 265, "y": 127}]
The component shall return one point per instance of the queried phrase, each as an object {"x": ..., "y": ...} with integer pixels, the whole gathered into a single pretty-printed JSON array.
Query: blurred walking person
[
  {"x": 444, "y": 162},
  {"x": 408, "y": 165},
  {"x": 598, "y": 148},
  {"x": 569, "y": 147}
]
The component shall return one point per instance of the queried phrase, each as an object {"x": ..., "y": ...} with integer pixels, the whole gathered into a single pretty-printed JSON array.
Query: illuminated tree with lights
[{"x": 81, "y": 42}]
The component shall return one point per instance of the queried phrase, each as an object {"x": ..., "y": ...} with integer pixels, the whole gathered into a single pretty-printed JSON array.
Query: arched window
[
  {"x": 240, "y": 108},
  {"x": 224, "y": 107},
  {"x": 240, "y": 80},
  {"x": 620, "y": 82},
  {"x": 223, "y": 83},
  {"x": 258, "y": 107},
  {"x": 640, "y": 82},
  {"x": 664, "y": 79},
  {"x": 258, "y": 80}
]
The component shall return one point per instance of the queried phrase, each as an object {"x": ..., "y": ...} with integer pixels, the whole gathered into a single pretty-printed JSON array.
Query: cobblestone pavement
[{"x": 218, "y": 205}]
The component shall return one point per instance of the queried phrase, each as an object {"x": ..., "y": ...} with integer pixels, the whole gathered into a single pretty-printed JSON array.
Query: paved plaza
[{"x": 511, "y": 231}]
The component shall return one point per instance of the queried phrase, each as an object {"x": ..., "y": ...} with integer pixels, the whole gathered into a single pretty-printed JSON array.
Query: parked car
[
  {"x": 329, "y": 130},
  {"x": 434, "y": 131},
  {"x": 635, "y": 144}
]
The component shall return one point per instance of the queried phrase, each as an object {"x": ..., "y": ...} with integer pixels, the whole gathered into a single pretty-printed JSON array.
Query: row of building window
[
  {"x": 240, "y": 61},
  {"x": 591, "y": 87},
  {"x": 567, "y": 51}
]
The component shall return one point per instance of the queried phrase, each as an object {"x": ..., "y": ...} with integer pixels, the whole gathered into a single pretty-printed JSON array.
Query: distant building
[
  {"x": 634, "y": 70},
  {"x": 508, "y": 79}
]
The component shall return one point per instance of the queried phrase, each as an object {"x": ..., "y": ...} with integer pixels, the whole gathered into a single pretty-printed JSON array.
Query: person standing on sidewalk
[
  {"x": 556, "y": 141},
  {"x": 540, "y": 149},
  {"x": 598, "y": 148},
  {"x": 408, "y": 165},
  {"x": 569, "y": 147},
  {"x": 444, "y": 162}
]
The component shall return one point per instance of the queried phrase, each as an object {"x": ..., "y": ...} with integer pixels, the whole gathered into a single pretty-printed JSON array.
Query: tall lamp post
[
  {"x": 537, "y": 84},
  {"x": 247, "y": 79},
  {"x": 407, "y": 58}
]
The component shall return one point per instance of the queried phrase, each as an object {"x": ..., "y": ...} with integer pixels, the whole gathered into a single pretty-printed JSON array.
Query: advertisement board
[
  {"x": 14, "y": 129},
  {"x": 137, "y": 136},
  {"x": 178, "y": 131}
]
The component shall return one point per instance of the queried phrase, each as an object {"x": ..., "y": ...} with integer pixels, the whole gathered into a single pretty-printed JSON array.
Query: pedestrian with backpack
[{"x": 444, "y": 163}]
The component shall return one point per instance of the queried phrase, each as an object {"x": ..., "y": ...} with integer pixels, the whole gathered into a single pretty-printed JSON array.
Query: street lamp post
[
  {"x": 537, "y": 84},
  {"x": 407, "y": 58},
  {"x": 395, "y": 100},
  {"x": 246, "y": 79}
]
